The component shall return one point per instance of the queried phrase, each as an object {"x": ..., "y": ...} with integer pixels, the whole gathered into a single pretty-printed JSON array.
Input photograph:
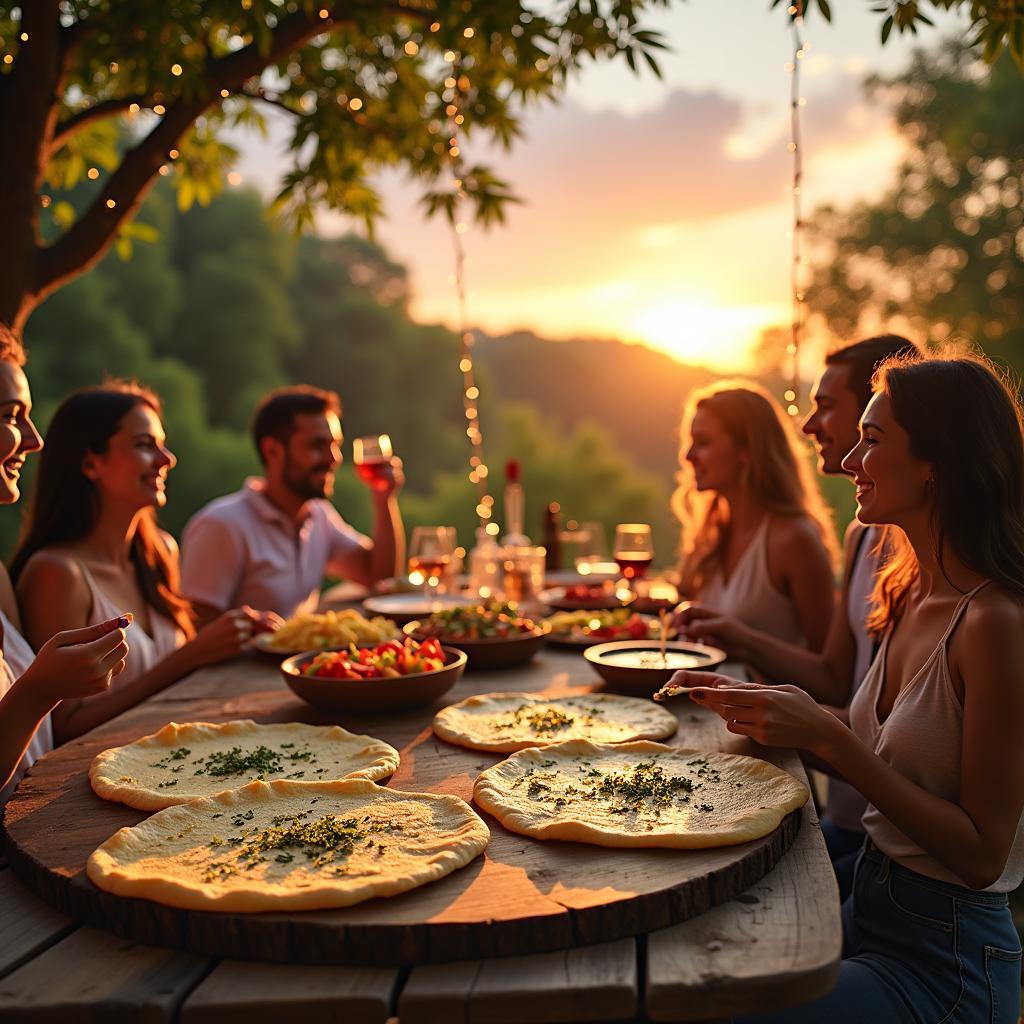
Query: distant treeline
[{"x": 221, "y": 307}]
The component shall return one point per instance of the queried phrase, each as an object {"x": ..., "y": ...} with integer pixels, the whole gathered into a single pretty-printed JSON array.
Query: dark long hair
[
  {"x": 962, "y": 416},
  {"x": 65, "y": 503}
]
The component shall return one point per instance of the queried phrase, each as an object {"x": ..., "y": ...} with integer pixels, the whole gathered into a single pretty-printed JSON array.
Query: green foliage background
[{"x": 222, "y": 306}]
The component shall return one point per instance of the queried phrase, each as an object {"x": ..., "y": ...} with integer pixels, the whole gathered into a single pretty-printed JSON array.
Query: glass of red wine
[
  {"x": 372, "y": 459},
  {"x": 431, "y": 549},
  {"x": 633, "y": 550}
]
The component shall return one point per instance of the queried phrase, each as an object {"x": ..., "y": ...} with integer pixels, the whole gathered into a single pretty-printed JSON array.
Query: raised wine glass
[
  {"x": 372, "y": 458},
  {"x": 430, "y": 555},
  {"x": 633, "y": 550}
]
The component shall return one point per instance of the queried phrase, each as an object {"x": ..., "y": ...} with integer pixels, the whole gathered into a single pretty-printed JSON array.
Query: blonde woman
[{"x": 758, "y": 544}]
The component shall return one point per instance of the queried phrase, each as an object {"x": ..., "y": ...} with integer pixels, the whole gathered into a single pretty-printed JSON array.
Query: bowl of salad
[
  {"x": 492, "y": 635},
  {"x": 586, "y": 628},
  {"x": 392, "y": 676}
]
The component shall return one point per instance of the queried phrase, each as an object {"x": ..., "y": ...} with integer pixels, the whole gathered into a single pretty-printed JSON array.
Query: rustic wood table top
[{"x": 773, "y": 945}]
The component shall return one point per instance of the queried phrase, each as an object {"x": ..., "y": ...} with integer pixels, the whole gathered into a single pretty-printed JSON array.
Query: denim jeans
[
  {"x": 844, "y": 846},
  {"x": 918, "y": 951}
]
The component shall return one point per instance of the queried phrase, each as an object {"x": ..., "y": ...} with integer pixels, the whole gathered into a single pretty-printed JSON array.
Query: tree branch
[
  {"x": 105, "y": 108},
  {"x": 88, "y": 239},
  {"x": 262, "y": 97}
]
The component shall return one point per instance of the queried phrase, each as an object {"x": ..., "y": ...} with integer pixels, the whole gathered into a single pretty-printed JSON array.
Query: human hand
[
  {"x": 776, "y": 716},
  {"x": 267, "y": 622},
  {"x": 225, "y": 637},
  {"x": 78, "y": 663},
  {"x": 390, "y": 479},
  {"x": 697, "y": 622}
]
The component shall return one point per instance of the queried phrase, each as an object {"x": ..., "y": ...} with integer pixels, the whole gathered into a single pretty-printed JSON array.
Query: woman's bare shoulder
[
  {"x": 794, "y": 535},
  {"x": 51, "y": 567},
  {"x": 993, "y": 612}
]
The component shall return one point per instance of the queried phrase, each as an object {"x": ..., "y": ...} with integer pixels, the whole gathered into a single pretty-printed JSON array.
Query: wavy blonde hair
[{"x": 779, "y": 477}]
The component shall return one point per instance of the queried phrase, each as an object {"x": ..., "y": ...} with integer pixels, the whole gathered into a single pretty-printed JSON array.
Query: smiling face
[
  {"x": 18, "y": 434},
  {"x": 311, "y": 455},
  {"x": 892, "y": 483},
  {"x": 833, "y": 420},
  {"x": 718, "y": 462},
  {"x": 132, "y": 472}
]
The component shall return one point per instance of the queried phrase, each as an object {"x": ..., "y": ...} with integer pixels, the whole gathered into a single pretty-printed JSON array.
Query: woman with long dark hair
[
  {"x": 69, "y": 665},
  {"x": 757, "y": 538},
  {"x": 92, "y": 543},
  {"x": 936, "y": 736}
]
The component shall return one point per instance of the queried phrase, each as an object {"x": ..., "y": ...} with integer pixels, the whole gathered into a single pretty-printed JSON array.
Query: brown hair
[
  {"x": 863, "y": 357},
  {"x": 275, "y": 415},
  {"x": 11, "y": 350},
  {"x": 65, "y": 503},
  {"x": 780, "y": 477},
  {"x": 977, "y": 466}
]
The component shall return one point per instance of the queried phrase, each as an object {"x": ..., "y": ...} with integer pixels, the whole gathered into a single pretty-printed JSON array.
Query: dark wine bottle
[{"x": 551, "y": 536}]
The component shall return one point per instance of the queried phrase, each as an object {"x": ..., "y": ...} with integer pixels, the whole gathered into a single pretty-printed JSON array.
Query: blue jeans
[
  {"x": 918, "y": 951},
  {"x": 844, "y": 846}
]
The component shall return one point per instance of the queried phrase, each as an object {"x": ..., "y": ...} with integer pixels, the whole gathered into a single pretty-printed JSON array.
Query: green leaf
[
  {"x": 826, "y": 9},
  {"x": 63, "y": 214},
  {"x": 186, "y": 194},
  {"x": 886, "y": 29}
]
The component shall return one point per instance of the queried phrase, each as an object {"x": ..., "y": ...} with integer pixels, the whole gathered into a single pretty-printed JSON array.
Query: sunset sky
[{"x": 655, "y": 211}]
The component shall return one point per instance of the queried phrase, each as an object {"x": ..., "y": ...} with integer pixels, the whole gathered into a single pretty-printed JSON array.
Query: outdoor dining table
[{"x": 774, "y": 943}]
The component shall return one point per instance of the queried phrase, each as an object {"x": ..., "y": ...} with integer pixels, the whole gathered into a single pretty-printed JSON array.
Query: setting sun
[{"x": 721, "y": 337}]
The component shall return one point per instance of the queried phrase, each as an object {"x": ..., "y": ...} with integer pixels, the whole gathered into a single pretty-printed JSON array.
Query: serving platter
[
  {"x": 521, "y": 897},
  {"x": 404, "y": 608}
]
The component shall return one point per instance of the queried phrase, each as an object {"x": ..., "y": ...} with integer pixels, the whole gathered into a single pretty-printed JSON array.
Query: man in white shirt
[{"x": 270, "y": 544}]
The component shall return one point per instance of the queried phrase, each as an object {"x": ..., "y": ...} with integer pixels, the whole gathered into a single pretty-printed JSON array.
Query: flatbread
[
  {"x": 183, "y": 762},
  {"x": 638, "y": 794},
  {"x": 285, "y": 845},
  {"x": 505, "y": 722},
  {"x": 671, "y": 690}
]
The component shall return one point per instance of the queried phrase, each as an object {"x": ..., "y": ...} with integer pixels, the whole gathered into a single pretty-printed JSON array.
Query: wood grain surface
[
  {"x": 770, "y": 948},
  {"x": 521, "y": 897},
  {"x": 95, "y": 978}
]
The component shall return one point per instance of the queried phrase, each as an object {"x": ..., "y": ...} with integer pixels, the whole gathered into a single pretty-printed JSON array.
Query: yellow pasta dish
[{"x": 307, "y": 632}]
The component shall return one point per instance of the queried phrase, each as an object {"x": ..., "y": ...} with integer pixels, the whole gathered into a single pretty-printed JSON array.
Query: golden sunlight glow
[{"x": 722, "y": 337}]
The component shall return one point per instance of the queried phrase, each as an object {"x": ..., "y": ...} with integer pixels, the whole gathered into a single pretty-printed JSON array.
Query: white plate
[
  {"x": 414, "y": 605},
  {"x": 569, "y": 577}
]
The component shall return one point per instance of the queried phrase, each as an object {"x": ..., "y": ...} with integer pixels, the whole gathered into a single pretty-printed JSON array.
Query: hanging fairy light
[
  {"x": 796, "y": 274},
  {"x": 456, "y": 86}
]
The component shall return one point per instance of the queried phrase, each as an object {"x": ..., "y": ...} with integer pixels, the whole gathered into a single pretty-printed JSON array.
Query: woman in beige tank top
[
  {"x": 757, "y": 539},
  {"x": 92, "y": 543},
  {"x": 936, "y": 742}
]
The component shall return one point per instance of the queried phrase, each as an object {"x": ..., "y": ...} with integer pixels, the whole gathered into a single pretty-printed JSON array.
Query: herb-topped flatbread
[
  {"x": 505, "y": 722},
  {"x": 182, "y": 762},
  {"x": 290, "y": 846},
  {"x": 638, "y": 794}
]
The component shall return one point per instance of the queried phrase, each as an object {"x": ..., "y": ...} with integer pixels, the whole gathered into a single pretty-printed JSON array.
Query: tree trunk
[{"x": 28, "y": 111}]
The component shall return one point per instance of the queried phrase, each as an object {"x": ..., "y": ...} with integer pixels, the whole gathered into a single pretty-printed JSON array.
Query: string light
[
  {"x": 796, "y": 101},
  {"x": 470, "y": 390}
]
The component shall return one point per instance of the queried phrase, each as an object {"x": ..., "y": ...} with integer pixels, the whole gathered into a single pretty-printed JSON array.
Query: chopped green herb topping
[{"x": 642, "y": 784}]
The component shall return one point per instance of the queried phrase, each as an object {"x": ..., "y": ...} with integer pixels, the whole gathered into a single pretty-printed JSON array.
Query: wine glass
[
  {"x": 589, "y": 546},
  {"x": 430, "y": 555},
  {"x": 633, "y": 550},
  {"x": 372, "y": 458}
]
